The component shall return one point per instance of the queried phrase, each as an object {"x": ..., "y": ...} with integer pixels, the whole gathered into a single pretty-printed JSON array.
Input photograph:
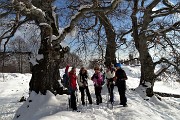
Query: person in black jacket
[{"x": 121, "y": 78}]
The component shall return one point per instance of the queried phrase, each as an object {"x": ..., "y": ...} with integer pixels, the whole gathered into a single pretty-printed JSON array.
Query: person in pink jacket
[{"x": 97, "y": 78}]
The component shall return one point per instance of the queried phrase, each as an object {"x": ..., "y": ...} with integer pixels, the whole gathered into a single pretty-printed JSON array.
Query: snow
[
  {"x": 45, "y": 24},
  {"x": 54, "y": 14},
  {"x": 33, "y": 61},
  {"x": 85, "y": 6},
  {"x": 80, "y": 8},
  {"x": 37, "y": 9},
  {"x": 64, "y": 44},
  {"x": 49, "y": 107},
  {"x": 160, "y": 70},
  {"x": 39, "y": 56}
]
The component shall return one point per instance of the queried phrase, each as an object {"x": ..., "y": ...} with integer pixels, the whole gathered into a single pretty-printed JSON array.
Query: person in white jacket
[
  {"x": 83, "y": 85},
  {"x": 110, "y": 74}
]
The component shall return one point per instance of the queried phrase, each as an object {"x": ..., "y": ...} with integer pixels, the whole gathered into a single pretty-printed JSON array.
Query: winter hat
[
  {"x": 96, "y": 68},
  {"x": 118, "y": 65}
]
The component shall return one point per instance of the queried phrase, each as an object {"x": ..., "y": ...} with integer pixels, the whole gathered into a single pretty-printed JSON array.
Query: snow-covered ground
[{"x": 50, "y": 107}]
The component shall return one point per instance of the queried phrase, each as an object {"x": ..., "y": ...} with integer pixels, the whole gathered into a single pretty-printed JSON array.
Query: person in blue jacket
[{"x": 120, "y": 78}]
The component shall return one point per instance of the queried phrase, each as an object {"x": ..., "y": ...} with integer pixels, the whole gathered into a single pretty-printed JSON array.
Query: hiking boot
[
  {"x": 112, "y": 102},
  {"x": 90, "y": 101},
  {"x": 74, "y": 109},
  {"x": 125, "y": 105}
]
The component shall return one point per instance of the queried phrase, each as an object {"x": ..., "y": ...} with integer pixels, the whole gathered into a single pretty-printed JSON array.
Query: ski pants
[
  {"x": 83, "y": 90},
  {"x": 110, "y": 87},
  {"x": 122, "y": 89},
  {"x": 98, "y": 94},
  {"x": 73, "y": 100}
]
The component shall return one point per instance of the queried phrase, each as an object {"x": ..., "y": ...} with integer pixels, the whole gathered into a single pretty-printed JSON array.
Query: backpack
[{"x": 65, "y": 80}]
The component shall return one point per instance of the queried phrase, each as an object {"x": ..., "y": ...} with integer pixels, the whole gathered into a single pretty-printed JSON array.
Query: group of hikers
[{"x": 114, "y": 76}]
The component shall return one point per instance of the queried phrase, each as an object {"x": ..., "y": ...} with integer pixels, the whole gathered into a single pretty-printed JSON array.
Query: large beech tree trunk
[
  {"x": 147, "y": 67},
  {"x": 45, "y": 74},
  {"x": 110, "y": 56}
]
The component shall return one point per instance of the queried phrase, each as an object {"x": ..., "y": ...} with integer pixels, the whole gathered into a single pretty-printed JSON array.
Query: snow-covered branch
[
  {"x": 175, "y": 26},
  {"x": 168, "y": 3},
  {"x": 164, "y": 60},
  {"x": 83, "y": 10},
  {"x": 166, "y": 11},
  {"x": 153, "y": 4},
  {"x": 162, "y": 70},
  {"x": 165, "y": 67},
  {"x": 26, "y": 8}
]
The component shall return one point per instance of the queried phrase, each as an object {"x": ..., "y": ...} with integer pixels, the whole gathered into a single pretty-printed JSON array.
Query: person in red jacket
[{"x": 72, "y": 87}]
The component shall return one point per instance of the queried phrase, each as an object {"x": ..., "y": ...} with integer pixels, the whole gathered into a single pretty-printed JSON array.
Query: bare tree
[
  {"x": 45, "y": 71},
  {"x": 146, "y": 35},
  {"x": 102, "y": 34},
  {"x": 71, "y": 59}
]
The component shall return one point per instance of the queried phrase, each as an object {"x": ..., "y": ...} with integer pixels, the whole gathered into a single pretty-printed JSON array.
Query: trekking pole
[
  {"x": 76, "y": 95},
  {"x": 85, "y": 93},
  {"x": 111, "y": 97},
  {"x": 69, "y": 102},
  {"x": 107, "y": 96}
]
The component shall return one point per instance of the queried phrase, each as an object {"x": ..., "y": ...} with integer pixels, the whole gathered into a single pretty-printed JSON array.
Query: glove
[
  {"x": 114, "y": 82},
  {"x": 84, "y": 84},
  {"x": 76, "y": 90},
  {"x": 92, "y": 77},
  {"x": 96, "y": 77}
]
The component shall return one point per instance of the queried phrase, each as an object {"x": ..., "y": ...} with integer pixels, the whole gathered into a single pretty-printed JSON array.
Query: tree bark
[
  {"x": 110, "y": 57},
  {"x": 147, "y": 65},
  {"x": 45, "y": 74},
  {"x": 147, "y": 68}
]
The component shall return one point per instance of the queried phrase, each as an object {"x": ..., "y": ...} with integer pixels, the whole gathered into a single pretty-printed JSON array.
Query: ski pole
[
  {"x": 76, "y": 96},
  {"x": 69, "y": 103},
  {"x": 108, "y": 96},
  {"x": 85, "y": 93}
]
